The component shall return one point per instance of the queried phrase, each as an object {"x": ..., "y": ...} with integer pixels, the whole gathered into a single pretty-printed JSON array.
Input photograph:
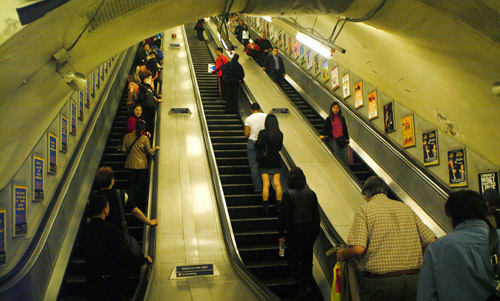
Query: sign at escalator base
[{"x": 183, "y": 271}]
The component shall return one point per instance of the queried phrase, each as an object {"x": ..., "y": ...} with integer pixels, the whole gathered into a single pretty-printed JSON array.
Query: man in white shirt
[{"x": 253, "y": 125}]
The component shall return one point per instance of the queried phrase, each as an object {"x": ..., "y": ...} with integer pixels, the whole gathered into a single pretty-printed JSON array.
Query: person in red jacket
[
  {"x": 253, "y": 50},
  {"x": 220, "y": 61}
]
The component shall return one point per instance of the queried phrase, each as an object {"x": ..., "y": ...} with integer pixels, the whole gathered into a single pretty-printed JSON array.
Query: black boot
[{"x": 266, "y": 208}]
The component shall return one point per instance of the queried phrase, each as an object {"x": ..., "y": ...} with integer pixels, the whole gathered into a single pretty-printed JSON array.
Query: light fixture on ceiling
[
  {"x": 496, "y": 89},
  {"x": 324, "y": 50},
  {"x": 75, "y": 80},
  {"x": 268, "y": 19}
]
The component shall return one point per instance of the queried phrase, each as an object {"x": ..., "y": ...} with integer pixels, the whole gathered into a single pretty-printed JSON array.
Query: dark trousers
[
  {"x": 278, "y": 77},
  {"x": 300, "y": 241},
  {"x": 220, "y": 84},
  {"x": 199, "y": 34},
  {"x": 137, "y": 179},
  {"x": 104, "y": 288},
  {"x": 149, "y": 117},
  {"x": 231, "y": 91},
  {"x": 401, "y": 288}
]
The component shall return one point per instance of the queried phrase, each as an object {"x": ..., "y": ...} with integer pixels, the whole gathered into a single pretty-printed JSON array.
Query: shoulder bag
[{"x": 132, "y": 244}]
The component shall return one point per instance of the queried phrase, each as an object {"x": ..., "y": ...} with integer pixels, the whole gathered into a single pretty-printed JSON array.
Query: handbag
[
  {"x": 260, "y": 149},
  {"x": 131, "y": 242},
  {"x": 341, "y": 141}
]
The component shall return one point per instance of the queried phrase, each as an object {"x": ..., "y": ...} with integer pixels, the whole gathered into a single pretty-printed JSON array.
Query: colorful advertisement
[
  {"x": 93, "y": 84},
  {"x": 3, "y": 230},
  {"x": 317, "y": 71},
  {"x": 81, "y": 112},
  {"x": 389, "y": 117},
  {"x": 326, "y": 74},
  {"x": 346, "y": 86},
  {"x": 20, "y": 201},
  {"x": 284, "y": 41},
  {"x": 73, "y": 118},
  {"x": 408, "y": 130},
  {"x": 280, "y": 39},
  {"x": 98, "y": 78},
  {"x": 372, "y": 105},
  {"x": 87, "y": 103},
  {"x": 296, "y": 50},
  {"x": 64, "y": 134},
  {"x": 335, "y": 78},
  {"x": 358, "y": 95},
  {"x": 457, "y": 168},
  {"x": 309, "y": 60},
  {"x": 52, "y": 143},
  {"x": 302, "y": 55},
  {"x": 290, "y": 48},
  {"x": 488, "y": 180},
  {"x": 38, "y": 178},
  {"x": 430, "y": 147}
]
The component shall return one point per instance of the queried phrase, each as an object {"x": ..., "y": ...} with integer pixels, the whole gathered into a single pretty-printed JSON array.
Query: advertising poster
[
  {"x": 93, "y": 84},
  {"x": 290, "y": 47},
  {"x": 358, "y": 95},
  {"x": 280, "y": 39},
  {"x": 98, "y": 84},
  {"x": 408, "y": 130},
  {"x": 302, "y": 55},
  {"x": 38, "y": 178},
  {"x": 346, "y": 86},
  {"x": 430, "y": 147},
  {"x": 73, "y": 118},
  {"x": 88, "y": 94},
  {"x": 284, "y": 41},
  {"x": 309, "y": 60},
  {"x": 488, "y": 180},
  {"x": 102, "y": 72},
  {"x": 52, "y": 143},
  {"x": 326, "y": 74},
  {"x": 296, "y": 50},
  {"x": 3, "y": 217},
  {"x": 335, "y": 78},
  {"x": 389, "y": 117},
  {"x": 372, "y": 105},
  {"x": 87, "y": 103},
  {"x": 81, "y": 112},
  {"x": 64, "y": 134},
  {"x": 317, "y": 70},
  {"x": 106, "y": 67},
  {"x": 20, "y": 198},
  {"x": 457, "y": 168}
]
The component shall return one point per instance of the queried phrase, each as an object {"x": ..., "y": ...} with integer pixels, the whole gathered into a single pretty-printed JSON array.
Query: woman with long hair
[
  {"x": 270, "y": 164},
  {"x": 335, "y": 132},
  {"x": 137, "y": 146},
  {"x": 134, "y": 117},
  {"x": 245, "y": 35}
]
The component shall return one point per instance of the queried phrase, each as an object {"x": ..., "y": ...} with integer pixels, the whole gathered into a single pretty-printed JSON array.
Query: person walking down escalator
[
  {"x": 335, "y": 132},
  {"x": 299, "y": 218},
  {"x": 200, "y": 27},
  {"x": 268, "y": 146},
  {"x": 137, "y": 146},
  {"x": 232, "y": 77}
]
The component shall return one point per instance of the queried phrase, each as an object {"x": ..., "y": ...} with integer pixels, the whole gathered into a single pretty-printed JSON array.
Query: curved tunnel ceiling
[{"x": 445, "y": 71}]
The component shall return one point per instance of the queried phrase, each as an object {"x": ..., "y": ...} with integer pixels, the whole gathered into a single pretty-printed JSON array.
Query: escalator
[
  {"x": 256, "y": 235},
  {"x": 74, "y": 283}
]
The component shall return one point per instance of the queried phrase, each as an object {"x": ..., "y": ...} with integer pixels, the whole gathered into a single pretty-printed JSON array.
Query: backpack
[{"x": 146, "y": 96}]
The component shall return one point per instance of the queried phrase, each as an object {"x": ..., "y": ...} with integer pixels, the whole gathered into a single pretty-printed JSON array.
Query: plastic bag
[{"x": 336, "y": 294}]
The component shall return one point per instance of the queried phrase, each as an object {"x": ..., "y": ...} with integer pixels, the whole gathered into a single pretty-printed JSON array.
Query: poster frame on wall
[
  {"x": 309, "y": 59},
  {"x": 335, "y": 78},
  {"x": 457, "y": 165},
  {"x": 346, "y": 86},
  {"x": 358, "y": 95},
  {"x": 20, "y": 210},
  {"x": 302, "y": 55},
  {"x": 372, "y": 105},
  {"x": 408, "y": 131},
  {"x": 317, "y": 70},
  {"x": 389, "y": 124},
  {"x": 430, "y": 147},
  {"x": 74, "y": 112},
  {"x": 64, "y": 134},
  {"x": 38, "y": 178},
  {"x": 52, "y": 153},
  {"x": 487, "y": 180}
]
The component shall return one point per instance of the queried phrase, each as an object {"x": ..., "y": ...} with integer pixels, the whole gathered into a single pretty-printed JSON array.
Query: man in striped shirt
[{"x": 389, "y": 239}]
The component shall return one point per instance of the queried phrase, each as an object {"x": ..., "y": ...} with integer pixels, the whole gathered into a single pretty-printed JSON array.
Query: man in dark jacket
[
  {"x": 273, "y": 65},
  {"x": 233, "y": 75},
  {"x": 265, "y": 48},
  {"x": 106, "y": 254}
]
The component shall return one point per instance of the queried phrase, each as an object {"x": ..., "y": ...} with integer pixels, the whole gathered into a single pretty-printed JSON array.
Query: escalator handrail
[
  {"x": 42, "y": 233},
  {"x": 227, "y": 230},
  {"x": 434, "y": 183}
]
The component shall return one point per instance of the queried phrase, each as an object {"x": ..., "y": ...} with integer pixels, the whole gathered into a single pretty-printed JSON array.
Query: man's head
[
  {"x": 104, "y": 177},
  {"x": 275, "y": 51},
  {"x": 98, "y": 205},
  {"x": 219, "y": 51},
  {"x": 464, "y": 205},
  {"x": 263, "y": 35},
  {"x": 254, "y": 108},
  {"x": 146, "y": 47},
  {"x": 492, "y": 199},
  {"x": 152, "y": 54},
  {"x": 236, "y": 57},
  {"x": 374, "y": 185}
]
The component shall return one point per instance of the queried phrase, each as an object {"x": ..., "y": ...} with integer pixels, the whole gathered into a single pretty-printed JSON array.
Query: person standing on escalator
[
  {"x": 335, "y": 132},
  {"x": 389, "y": 239}
]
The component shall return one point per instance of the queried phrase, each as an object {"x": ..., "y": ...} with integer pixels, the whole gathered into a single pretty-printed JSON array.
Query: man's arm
[
  {"x": 352, "y": 251},
  {"x": 247, "y": 131}
]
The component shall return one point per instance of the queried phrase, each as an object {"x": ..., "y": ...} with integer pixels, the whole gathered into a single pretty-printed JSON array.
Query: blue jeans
[
  {"x": 254, "y": 165},
  {"x": 341, "y": 152}
]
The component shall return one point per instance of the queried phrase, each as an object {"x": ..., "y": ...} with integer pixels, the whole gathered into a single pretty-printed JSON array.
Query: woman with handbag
[
  {"x": 137, "y": 146},
  {"x": 271, "y": 138},
  {"x": 335, "y": 132}
]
